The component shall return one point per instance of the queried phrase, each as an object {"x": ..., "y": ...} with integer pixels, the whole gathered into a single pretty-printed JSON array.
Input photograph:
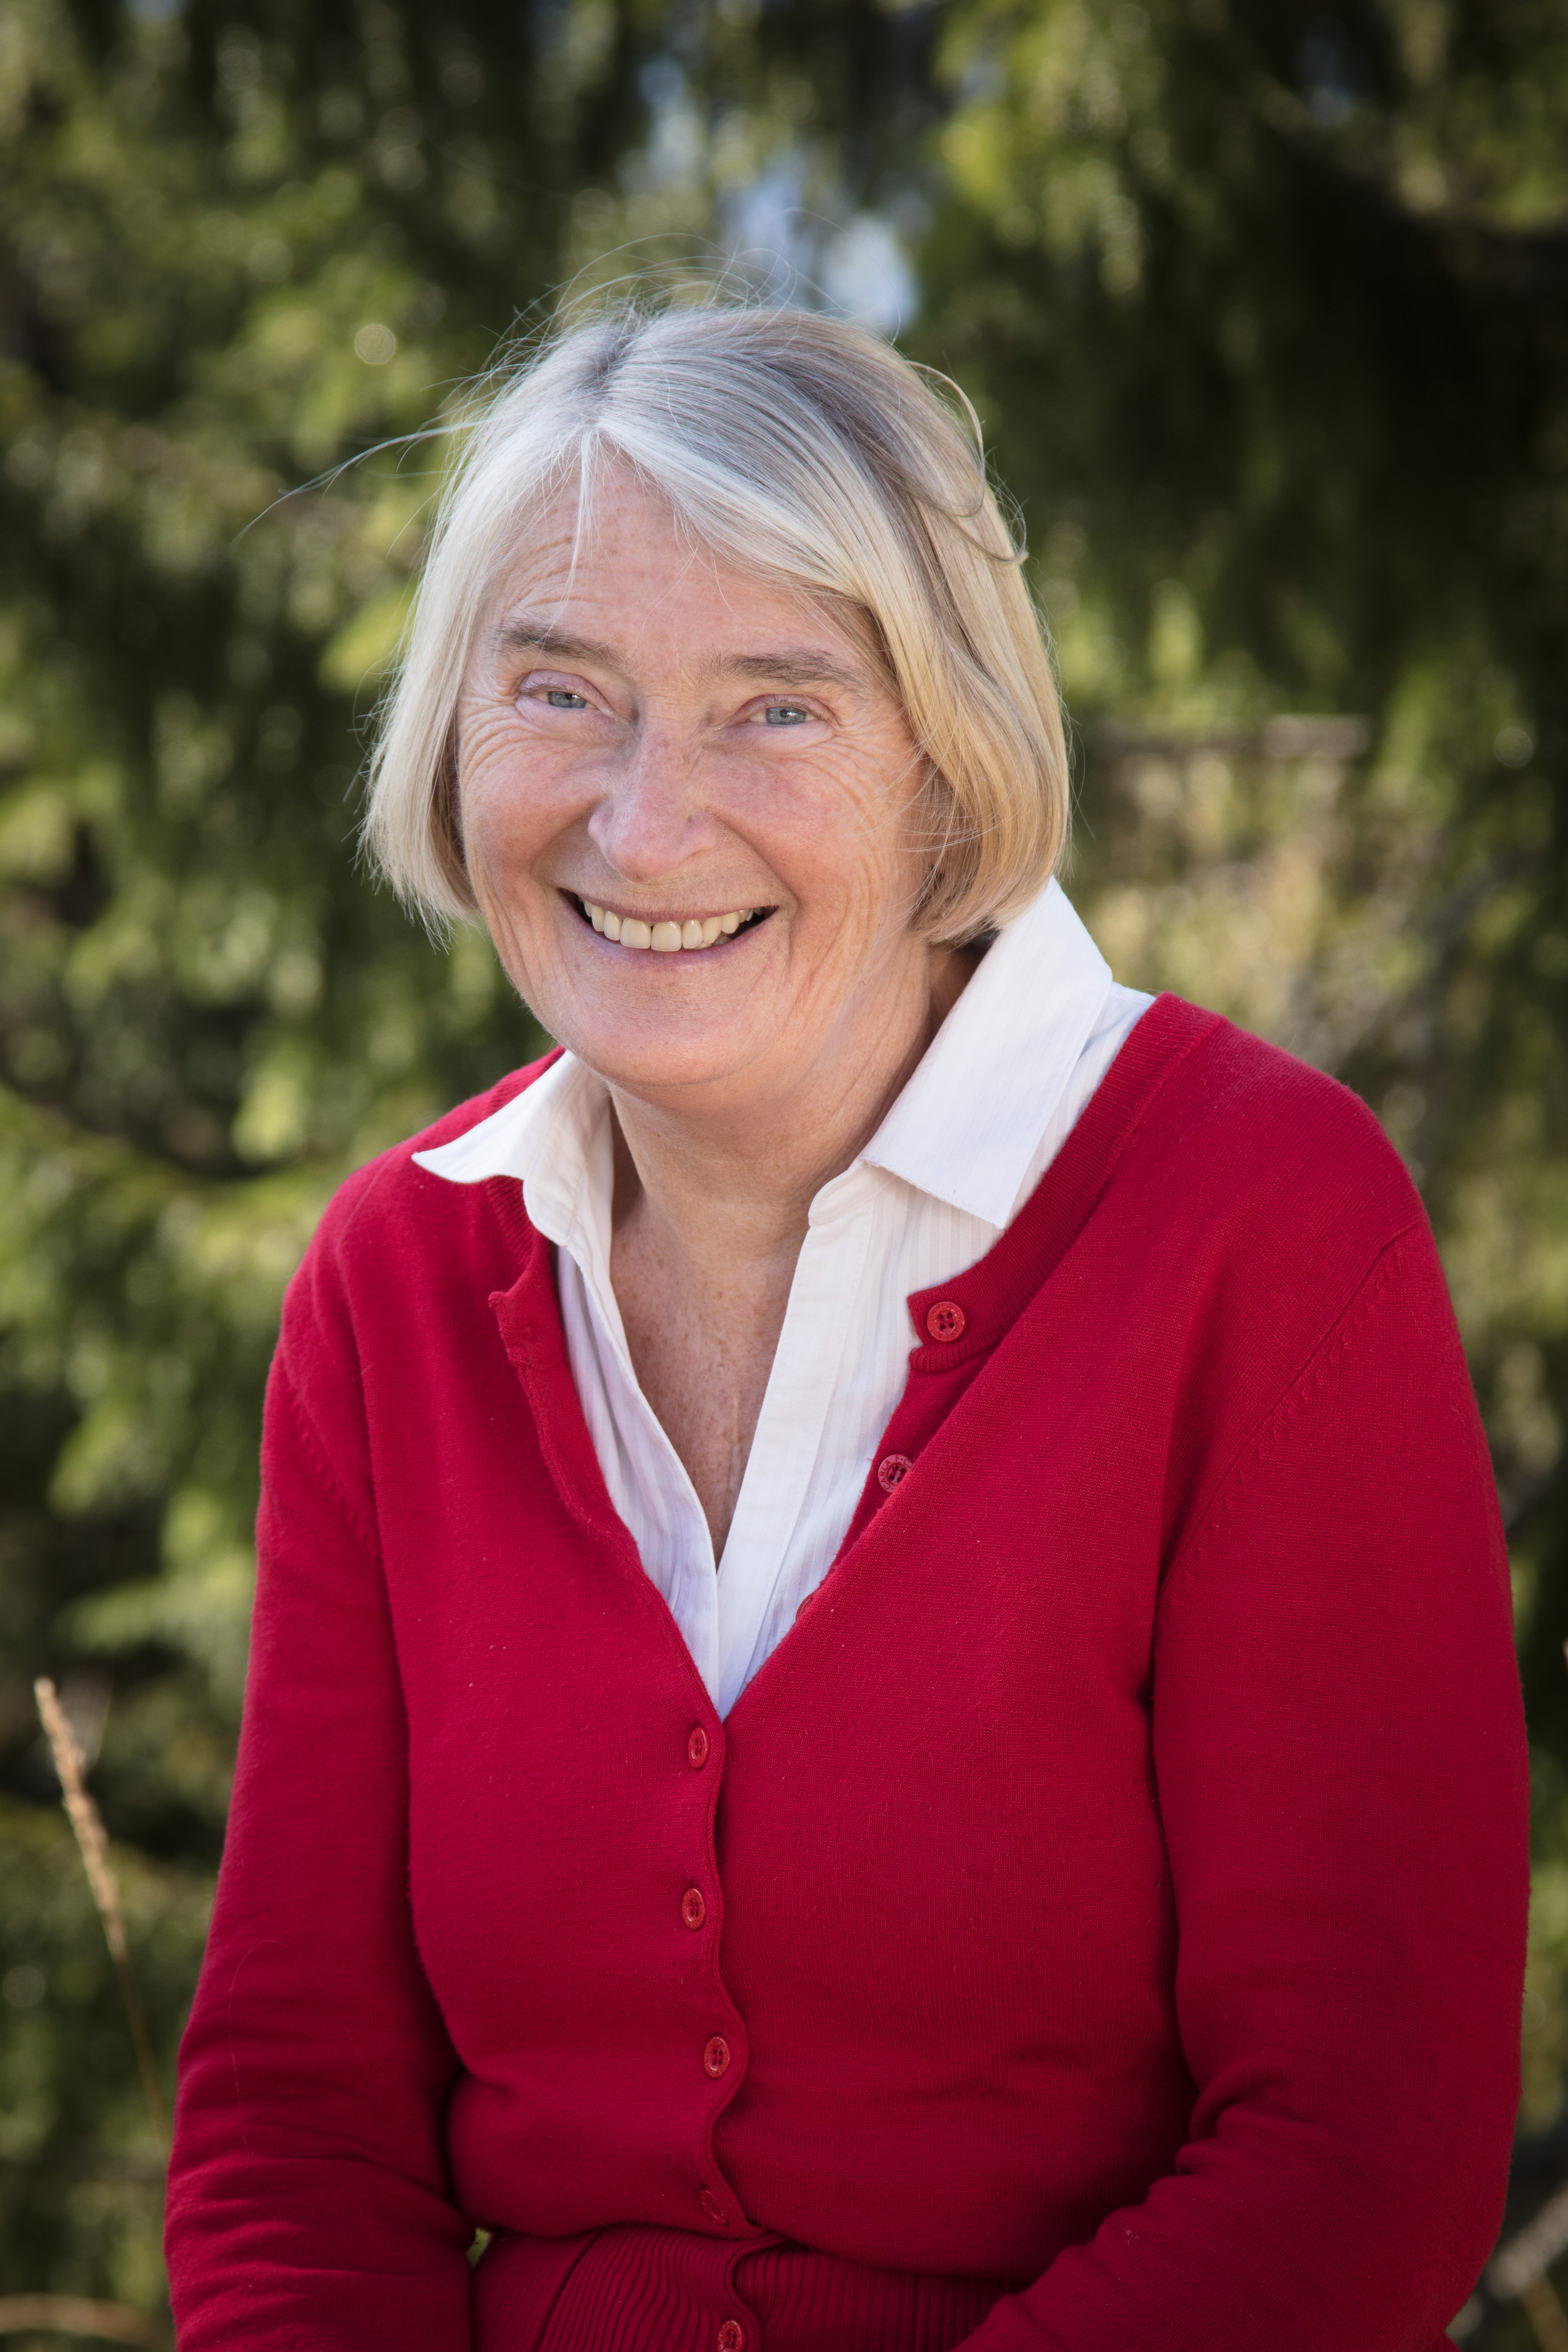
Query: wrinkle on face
[{"x": 613, "y": 747}]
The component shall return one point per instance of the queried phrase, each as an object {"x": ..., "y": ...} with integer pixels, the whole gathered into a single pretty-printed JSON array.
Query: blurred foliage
[{"x": 1263, "y": 309}]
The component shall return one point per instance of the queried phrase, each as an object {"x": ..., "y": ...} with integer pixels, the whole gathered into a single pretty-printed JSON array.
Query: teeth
[{"x": 665, "y": 938}]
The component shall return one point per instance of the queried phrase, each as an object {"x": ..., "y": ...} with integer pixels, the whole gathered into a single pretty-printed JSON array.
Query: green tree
[
  {"x": 1264, "y": 307},
  {"x": 243, "y": 245}
]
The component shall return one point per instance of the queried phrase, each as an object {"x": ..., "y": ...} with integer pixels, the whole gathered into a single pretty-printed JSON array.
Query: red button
[
  {"x": 714, "y": 2211},
  {"x": 946, "y": 1319},
  {"x": 693, "y": 1909},
  {"x": 697, "y": 1748},
  {"x": 890, "y": 1469},
  {"x": 731, "y": 2336},
  {"x": 806, "y": 1604},
  {"x": 716, "y": 2055}
]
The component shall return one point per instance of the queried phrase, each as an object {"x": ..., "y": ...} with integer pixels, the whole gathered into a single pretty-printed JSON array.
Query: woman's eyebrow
[
  {"x": 523, "y": 635},
  {"x": 800, "y": 666}
]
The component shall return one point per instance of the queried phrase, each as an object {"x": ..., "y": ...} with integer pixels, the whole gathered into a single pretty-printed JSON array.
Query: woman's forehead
[
  {"x": 590, "y": 537},
  {"x": 633, "y": 571}
]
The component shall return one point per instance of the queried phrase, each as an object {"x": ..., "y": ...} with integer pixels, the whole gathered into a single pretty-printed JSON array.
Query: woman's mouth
[{"x": 669, "y": 935}]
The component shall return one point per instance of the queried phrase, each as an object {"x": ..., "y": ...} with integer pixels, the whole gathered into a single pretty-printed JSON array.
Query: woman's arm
[
  {"x": 1341, "y": 1776},
  {"x": 308, "y": 2202}
]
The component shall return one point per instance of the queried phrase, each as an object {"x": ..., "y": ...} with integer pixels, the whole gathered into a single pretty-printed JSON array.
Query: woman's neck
[
  {"x": 711, "y": 1204},
  {"x": 734, "y": 1177}
]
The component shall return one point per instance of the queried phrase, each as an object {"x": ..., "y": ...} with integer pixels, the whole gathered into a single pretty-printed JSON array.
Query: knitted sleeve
[
  {"x": 308, "y": 2203},
  {"x": 1342, "y": 1777}
]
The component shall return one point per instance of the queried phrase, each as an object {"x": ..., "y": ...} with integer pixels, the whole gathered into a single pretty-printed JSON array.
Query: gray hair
[{"x": 807, "y": 453}]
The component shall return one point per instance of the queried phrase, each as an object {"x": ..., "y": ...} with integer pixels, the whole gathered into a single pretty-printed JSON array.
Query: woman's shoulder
[
  {"x": 1260, "y": 1198},
  {"x": 1237, "y": 1120},
  {"x": 393, "y": 1202}
]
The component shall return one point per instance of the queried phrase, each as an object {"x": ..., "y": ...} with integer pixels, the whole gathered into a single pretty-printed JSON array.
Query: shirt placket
[{"x": 826, "y": 1305}]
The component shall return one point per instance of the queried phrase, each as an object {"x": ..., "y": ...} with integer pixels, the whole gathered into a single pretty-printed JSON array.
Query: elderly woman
[{"x": 882, "y": 1711}]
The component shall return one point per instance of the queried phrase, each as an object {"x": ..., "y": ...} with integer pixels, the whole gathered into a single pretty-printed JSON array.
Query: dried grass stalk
[
  {"x": 76, "y": 2315},
  {"x": 1547, "y": 2317},
  {"x": 86, "y": 1821}
]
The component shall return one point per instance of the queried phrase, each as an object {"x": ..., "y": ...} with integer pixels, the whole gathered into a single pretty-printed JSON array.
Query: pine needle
[{"x": 87, "y": 1822}]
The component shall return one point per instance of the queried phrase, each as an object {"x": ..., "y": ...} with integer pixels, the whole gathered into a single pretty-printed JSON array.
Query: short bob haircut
[{"x": 807, "y": 453}]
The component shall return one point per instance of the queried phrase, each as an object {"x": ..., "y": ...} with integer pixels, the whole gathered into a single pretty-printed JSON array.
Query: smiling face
[{"x": 690, "y": 809}]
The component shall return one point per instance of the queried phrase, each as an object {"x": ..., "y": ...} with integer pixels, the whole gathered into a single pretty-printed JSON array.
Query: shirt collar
[
  {"x": 965, "y": 1128},
  {"x": 969, "y": 1122},
  {"x": 553, "y": 1138}
]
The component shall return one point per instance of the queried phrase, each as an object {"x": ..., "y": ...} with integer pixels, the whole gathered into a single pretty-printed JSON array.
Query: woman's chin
[
  {"x": 647, "y": 1022},
  {"x": 650, "y": 1065}
]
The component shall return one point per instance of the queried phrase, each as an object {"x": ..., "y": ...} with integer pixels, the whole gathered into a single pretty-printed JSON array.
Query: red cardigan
[{"x": 1098, "y": 1927}]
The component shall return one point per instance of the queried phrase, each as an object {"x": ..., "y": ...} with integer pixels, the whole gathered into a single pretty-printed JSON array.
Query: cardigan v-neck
[
  {"x": 958, "y": 1153},
  {"x": 989, "y": 1295},
  {"x": 1098, "y": 1924}
]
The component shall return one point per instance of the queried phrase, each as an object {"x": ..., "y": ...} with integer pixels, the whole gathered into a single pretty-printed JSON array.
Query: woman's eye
[
  {"x": 560, "y": 697},
  {"x": 785, "y": 714}
]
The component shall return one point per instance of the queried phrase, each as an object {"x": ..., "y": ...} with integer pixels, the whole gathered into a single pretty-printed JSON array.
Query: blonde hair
[{"x": 802, "y": 450}]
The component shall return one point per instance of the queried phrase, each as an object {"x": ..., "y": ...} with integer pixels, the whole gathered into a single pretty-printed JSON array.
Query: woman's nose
[{"x": 651, "y": 816}]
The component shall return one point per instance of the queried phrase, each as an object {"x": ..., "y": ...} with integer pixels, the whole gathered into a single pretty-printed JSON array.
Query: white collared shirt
[{"x": 982, "y": 1116}]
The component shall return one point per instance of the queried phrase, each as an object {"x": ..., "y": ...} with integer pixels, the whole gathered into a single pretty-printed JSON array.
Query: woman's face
[{"x": 652, "y": 733}]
